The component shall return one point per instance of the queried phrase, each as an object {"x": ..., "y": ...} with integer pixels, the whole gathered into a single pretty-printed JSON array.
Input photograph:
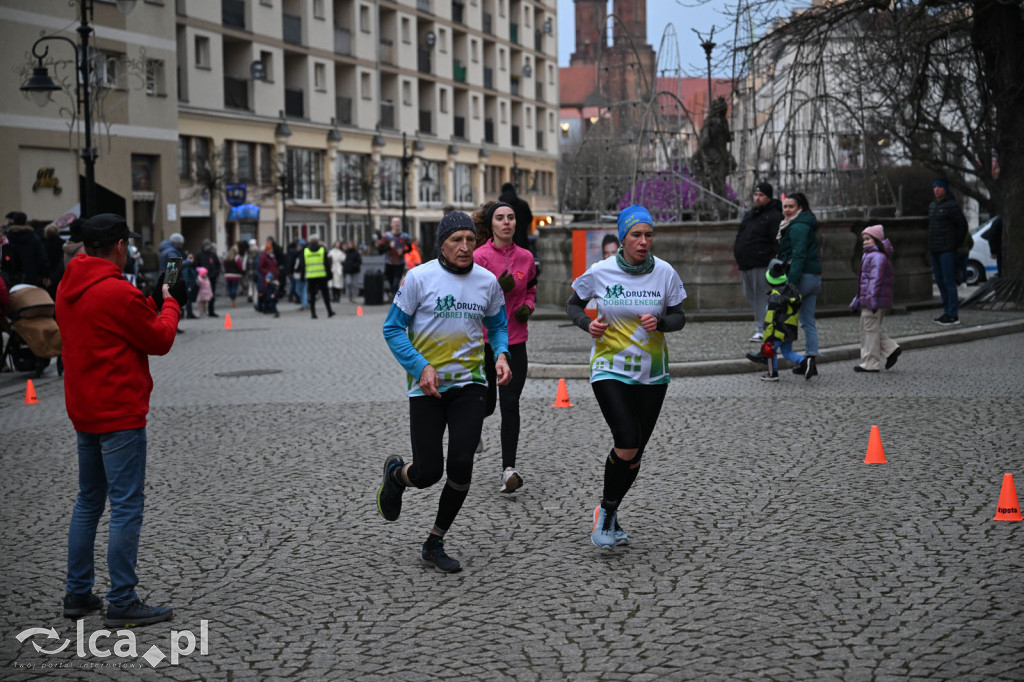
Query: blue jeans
[
  {"x": 944, "y": 269},
  {"x": 785, "y": 348},
  {"x": 810, "y": 287},
  {"x": 109, "y": 465}
]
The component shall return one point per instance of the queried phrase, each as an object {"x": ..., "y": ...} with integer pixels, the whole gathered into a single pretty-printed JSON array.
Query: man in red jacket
[{"x": 109, "y": 330}]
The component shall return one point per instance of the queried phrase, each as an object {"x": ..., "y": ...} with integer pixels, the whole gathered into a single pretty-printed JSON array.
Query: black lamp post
[
  {"x": 407, "y": 160},
  {"x": 41, "y": 87},
  {"x": 708, "y": 45}
]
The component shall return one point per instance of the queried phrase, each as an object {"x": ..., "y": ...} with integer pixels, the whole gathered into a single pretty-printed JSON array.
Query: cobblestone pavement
[{"x": 763, "y": 548}]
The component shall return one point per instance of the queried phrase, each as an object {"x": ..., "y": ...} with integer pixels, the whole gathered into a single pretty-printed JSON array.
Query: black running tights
[
  {"x": 508, "y": 397},
  {"x": 461, "y": 411}
]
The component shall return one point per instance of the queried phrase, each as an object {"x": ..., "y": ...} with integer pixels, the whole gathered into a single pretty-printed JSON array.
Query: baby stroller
[{"x": 33, "y": 336}]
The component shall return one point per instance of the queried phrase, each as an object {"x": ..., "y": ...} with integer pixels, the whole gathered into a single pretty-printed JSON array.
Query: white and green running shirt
[
  {"x": 437, "y": 318},
  {"x": 627, "y": 352}
]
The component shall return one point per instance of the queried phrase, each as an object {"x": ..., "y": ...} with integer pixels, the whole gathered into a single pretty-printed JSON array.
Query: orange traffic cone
[
  {"x": 227, "y": 322},
  {"x": 359, "y": 311},
  {"x": 1008, "y": 509},
  {"x": 31, "y": 399},
  {"x": 562, "y": 397},
  {"x": 876, "y": 453}
]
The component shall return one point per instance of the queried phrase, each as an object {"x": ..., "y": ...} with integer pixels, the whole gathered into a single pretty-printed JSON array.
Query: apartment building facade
[
  {"x": 133, "y": 107},
  {"x": 338, "y": 115},
  {"x": 237, "y": 119}
]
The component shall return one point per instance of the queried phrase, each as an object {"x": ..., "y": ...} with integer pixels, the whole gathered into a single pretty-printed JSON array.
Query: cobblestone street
[{"x": 763, "y": 547}]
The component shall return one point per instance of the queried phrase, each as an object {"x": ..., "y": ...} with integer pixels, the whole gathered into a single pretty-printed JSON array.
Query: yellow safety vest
[{"x": 314, "y": 261}]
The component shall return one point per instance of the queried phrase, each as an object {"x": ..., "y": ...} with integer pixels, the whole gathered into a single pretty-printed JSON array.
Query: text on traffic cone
[
  {"x": 30, "y": 395},
  {"x": 562, "y": 397},
  {"x": 227, "y": 322},
  {"x": 876, "y": 453},
  {"x": 359, "y": 310},
  {"x": 1008, "y": 509}
]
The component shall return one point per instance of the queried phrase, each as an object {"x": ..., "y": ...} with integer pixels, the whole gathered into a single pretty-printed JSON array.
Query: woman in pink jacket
[{"x": 517, "y": 275}]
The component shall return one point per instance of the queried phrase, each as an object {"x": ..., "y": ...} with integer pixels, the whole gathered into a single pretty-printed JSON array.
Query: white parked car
[{"x": 980, "y": 263}]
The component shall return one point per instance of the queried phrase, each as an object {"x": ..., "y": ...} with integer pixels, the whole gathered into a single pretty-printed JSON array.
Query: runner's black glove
[
  {"x": 506, "y": 281},
  {"x": 523, "y": 313}
]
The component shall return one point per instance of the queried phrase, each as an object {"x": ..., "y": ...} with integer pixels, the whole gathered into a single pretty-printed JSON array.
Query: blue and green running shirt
[
  {"x": 627, "y": 352},
  {"x": 438, "y": 317}
]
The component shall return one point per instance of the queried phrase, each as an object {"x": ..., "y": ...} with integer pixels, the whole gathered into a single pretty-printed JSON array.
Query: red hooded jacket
[{"x": 108, "y": 331}]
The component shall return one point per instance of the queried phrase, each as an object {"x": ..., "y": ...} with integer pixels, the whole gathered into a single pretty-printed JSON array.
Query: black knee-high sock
[
  {"x": 633, "y": 469},
  {"x": 617, "y": 479},
  {"x": 452, "y": 497}
]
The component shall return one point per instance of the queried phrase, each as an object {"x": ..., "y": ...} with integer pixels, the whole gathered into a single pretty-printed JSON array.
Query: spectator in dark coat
[
  {"x": 209, "y": 259},
  {"x": 754, "y": 248},
  {"x": 947, "y": 228},
  {"x": 54, "y": 247},
  {"x": 24, "y": 258},
  {"x": 524, "y": 216}
]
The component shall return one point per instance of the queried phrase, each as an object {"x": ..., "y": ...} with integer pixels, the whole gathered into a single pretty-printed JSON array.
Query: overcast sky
[{"x": 684, "y": 16}]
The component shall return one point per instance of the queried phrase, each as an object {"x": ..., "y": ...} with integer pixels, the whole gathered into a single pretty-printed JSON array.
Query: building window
[
  {"x": 155, "y": 77},
  {"x": 201, "y": 159},
  {"x": 406, "y": 37},
  {"x": 318, "y": 9},
  {"x": 364, "y": 18},
  {"x": 551, "y": 74},
  {"x": 184, "y": 157},
  {"x": 494, "y": 178},
  {"x": 504, "y": 112},
  {"x": 320, "y": 77},
  {"x": 244, "y": 162},
  {"x": 365, "y": 86},
  {"x": 501, "y": 58},
  {"x": 107, "y": 72},
  {"x": 442, "y": 40},
  {"x": 474, "y": 50},
  {"x": 431, "y": 182},
  {"x": 464, "y": 189},
  {"x": 389, "y": 186},
  {"x": 351, "y": 182},
  {"x": 443, "y": 96},
  {"x": 406, "y": 93},
  {"x": 501, "y": 8},
  {"x": 529, "y": 117},
  {"x": 304, "y": 174},
  {"x": 476, "y": 107},
  {"x": 202, "y": 46},
  {"x": 266, "y": 164}
]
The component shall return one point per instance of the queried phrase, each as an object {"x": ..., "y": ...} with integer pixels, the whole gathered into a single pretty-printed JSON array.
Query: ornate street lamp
[{"x": 41, "y": 87}]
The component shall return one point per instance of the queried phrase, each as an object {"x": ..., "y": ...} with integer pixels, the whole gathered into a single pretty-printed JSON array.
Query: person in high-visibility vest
[{"x": 314, "y": 268}]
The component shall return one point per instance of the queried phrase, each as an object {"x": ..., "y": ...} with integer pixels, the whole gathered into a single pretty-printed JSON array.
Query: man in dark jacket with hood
[
  {"x": 754, "y": 248},
  {"x": 947, "y": 228},
  {"x": 524, "y": 216}
]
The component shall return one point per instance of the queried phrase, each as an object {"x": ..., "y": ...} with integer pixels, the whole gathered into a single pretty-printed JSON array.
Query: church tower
[{"x": 591, "y": 19}]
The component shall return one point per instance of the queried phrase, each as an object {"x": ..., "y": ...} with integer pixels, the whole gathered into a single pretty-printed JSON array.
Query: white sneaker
[
  {"x": 511, "y": 481},
  {"x": 756, "y": 338}
]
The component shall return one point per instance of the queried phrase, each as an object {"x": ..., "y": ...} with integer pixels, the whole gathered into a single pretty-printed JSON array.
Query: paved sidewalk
[{"x": 763, "y": 548}]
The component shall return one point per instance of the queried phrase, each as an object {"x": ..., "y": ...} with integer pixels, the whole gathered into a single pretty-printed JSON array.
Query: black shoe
[
  {"x": 812, "y": 367},
  {"x": 941, "y": 318},
  {"x": 433, "y": 554},
  {"x": 947, "y": 321},
  {"x": 801, "y": 369},
  {"x": 313, "y": 316},
  {"x": 77, "y": 605},
  {"x": 858, "y": 368},
  {"x": 893, "y": 357},
  {"x": 191, "y": 317},
  {"x": 389, "y": 495},
  {"x": 136, "y": 613},
  {"x": 330, "y": 314},
  {"x": 757, "y": 357},
  {"x": 277, "y": 314},
  {"x": 214, "y": 315}
]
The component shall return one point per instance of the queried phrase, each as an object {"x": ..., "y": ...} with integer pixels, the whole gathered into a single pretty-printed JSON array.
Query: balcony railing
[
  {"x": 513, "y": 32},
  {"x": 488, "y": 21},
  {"x": 514, "y": 85},
  {"x": 540, "y": 140},
  {"x": 489, "y": 131},
  {"x": 343, "y": 110},
  {"x": 236, "y": 93},
  {"x": 459, "y": 72},
  {"x": 538, "y": 41},
  {"x": 423, "y": 60},
  {"x": 423, "y": 5},
  {"x": 457, "y": 11},
  {"x": 387, "y": 51},
  {"x": 232, "y": 13},
  {"x": 292, "y": 26},
  {"x": 540, "y": 90},
  {"x": 426, "y": 121},
  {"x": 460, "y": 127},
  {"x": 488, "y": 78},
  {"x": 515, "y": 137},
  {"x": 293, "y": 103},
  {"x": 342, "y": 41},
  {"x": 387, "y": 114}
]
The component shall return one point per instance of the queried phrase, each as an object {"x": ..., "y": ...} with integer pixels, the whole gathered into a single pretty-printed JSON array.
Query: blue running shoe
[
  {"x": 603, "y": 534},
  {"x": 389, "y": 495},
  {"x": 620, "y": 535},
  {"x": 434, "y": 555}
]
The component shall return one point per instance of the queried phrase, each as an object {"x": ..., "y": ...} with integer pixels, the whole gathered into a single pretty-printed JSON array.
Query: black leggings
[
  {"x": 509, "y": 398},
  {"x": 461, "y": 411},
  {"x": 314, "y": 285},
  {"x": 631, "y": 411}
]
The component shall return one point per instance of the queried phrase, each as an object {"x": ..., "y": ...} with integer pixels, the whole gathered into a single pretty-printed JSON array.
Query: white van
[{"x": 980, "y": 263}]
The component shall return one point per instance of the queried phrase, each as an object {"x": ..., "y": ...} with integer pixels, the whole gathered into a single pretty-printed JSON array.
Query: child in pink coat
[{"x": 205, "y": 290}]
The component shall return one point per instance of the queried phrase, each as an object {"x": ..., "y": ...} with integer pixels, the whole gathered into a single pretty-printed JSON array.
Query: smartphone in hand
[{"x": 173, "y": 270}]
